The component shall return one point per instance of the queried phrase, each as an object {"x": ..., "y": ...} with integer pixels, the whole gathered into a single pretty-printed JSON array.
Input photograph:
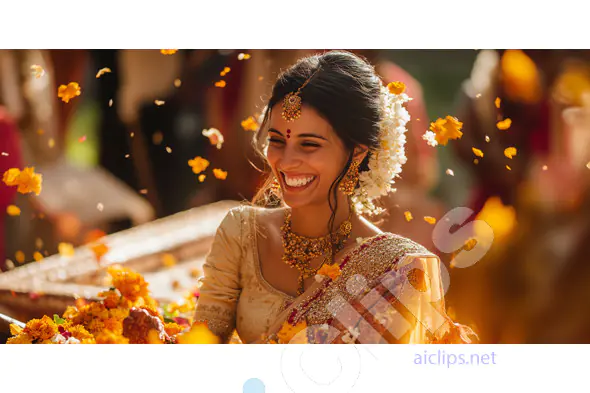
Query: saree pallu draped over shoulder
[{"x": 389, "y": 291}]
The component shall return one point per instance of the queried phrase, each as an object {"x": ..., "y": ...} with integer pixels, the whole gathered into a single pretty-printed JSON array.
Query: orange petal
[
  {"x": 504, "y": 124},
  {"x": 477, "y": 152},
  {"x": 430, "y": 220}
]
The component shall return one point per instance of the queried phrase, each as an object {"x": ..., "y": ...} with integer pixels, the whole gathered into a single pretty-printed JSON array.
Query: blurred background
[{"x": 116, "y": 157}]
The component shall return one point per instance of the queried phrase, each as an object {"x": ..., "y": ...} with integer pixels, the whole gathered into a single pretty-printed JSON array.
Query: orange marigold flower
[
  {"x": 173, "y": 328},
  {"x": 103, "y": 71},
  {"x": 80, "y": 333},
  {"x": 477, "y": 152},
  {"x": 29, "y": 181},
  {"x": 430, "y": 220},
  {"x": 510, "y": 152},
  {"x": 131, "y": 284},
  {"x": 112, "y": 298},
  {"x": 66, "y": 93},
  {"x": 20, "y": 339},
  {"x": 220, "y": 174},
  {"x": 108, "y": 337},
  {"x": 168, "y": 51},
  {"x": 396, "y": 87},
  {"x": 332, "y": 271},
  {"x": 13, "y": 210},
  {"x": 11, "y": 176},
  {"x": 504, "y": 124},
  {"x": 250, "y": 124},
  {"x": 288, "y": 332},
  {"x": 446, "y": 129},
  {"x": 198, "y": 164},
  {"x": 41, "y": 329}
]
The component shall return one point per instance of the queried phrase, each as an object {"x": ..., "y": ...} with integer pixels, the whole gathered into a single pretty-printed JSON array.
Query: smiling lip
[{"x": 296, "y": 189}]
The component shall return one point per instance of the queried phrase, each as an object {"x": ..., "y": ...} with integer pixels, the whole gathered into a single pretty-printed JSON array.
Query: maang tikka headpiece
[{"x": 292, "y": 102}]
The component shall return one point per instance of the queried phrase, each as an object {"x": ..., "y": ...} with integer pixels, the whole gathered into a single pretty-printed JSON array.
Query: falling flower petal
[
  {"x": 225, "y": 71},
  {"x": 508, "y": 167},
  {"x": 478, "y": 95},
  {"x": 219, "y": 174},
  {"x": 110, "y": 102},
  {"x": 331, "y": 271},
  {"x": 396, "y": 87},
  {"x": 250, "y": 124},
  {"x": 475, "y": 161},
  {"x": 487, "y": 138},
  {"x": 26, "y": 180},
  {"x": 177, "y": 82},
  {"x": 13, "y": 210},
  {"x": 51, "y": 143},
  {"x": 510, "y": 152},
  {"x": 143, "y": 191},
  {"x": 504, "y": 124},
  {"x": 159, "y": 102},
  {"x": 66, "y": 93},
  {"x": 168, "y": 51},
  {"x": 102, "y": 71},
  {"x": 545, "y": 167},
  {"x": 215, "y": 137},
  {"x": 66, "y": 250},
  {"x": 408, "y": 216},
  {"x": 100, "y": 207},
  {"x": 37, "y": 71},
  {"x": 37, "y": 256},
  {"x": 5, "y": 154},
  {"x": 430, "y": 220},
  {"x": 99, "y": 250},
  {"x": 477, "y": 152},
  {"x": 198, "y": 164},
  {"x": 202, "y": 178},
  {"x": 430, "y": 138},
  {"x": 157, "y": 138},
  {"x": 497, "y": 102},
  {"x": 243, "y": 56},
  {"x": 82, "y": 139},
  {"x": 168, "y": 149},
  {"x": 446, "y": 129},
  {"x": 220, "y": 84},
  {"x": 450, "y": 172}
]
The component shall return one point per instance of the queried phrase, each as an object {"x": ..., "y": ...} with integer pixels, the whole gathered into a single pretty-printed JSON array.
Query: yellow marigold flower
[
  {"x": 221, "y": 84},
  {"x": 510, "y": 152},
  {"x": 504, "y": 124},
  {"x": 66, "y": 93},
  {"x": 446, "y": 129},
  {"x": 111, "y": 298},
  {"x": 20, "y": 339},
  {"x": 250, "y": 124},
  {"x": 497, "y": 102},
  {"x": 288, "y": 332},
  {"x": 198, "y": 164},
  {"x": 80, "y": 333},
  {"x": 29, "y": 181},
  {"x": 103, "y": 71},
  {"x": 99, "y": 250},
  {"x": 168, "y": 260},
  {"x": 202, "y": 178},
  {"x": 220, "y": 174},
  {"x": 37, "y": 71},
  {"x": 65, "y": 249},
  {"x": 13, "y": 210},
  {"x": 168, "y": 51},
  {"x": 408, "y": 216},
  {"x": 332, "y": 271},
  {"x": 396, "y": 87},
  {"x": 198, "y": 334},
  {"x": 430, "y": 220},
  {"x": 37, "y": 256},
  {"x": 215, "y": 137},
  {"x": 11, "y": 176},
  {"x": 108, "y": 337},
  {"x": 129, "y": 283},
  {"x": 19, "y": 256},
  {"x": 477, "y": 152},
  {"x": 41, "y": 329}
]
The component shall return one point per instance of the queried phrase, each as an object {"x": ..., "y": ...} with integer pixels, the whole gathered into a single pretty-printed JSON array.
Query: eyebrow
[{"x": 300, "y": 135}]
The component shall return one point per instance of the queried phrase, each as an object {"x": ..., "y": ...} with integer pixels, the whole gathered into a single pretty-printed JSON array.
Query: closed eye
[{"x": 276, "y": 140}]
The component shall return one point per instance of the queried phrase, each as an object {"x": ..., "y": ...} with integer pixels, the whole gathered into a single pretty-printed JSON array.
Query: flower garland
[{"x": 385, "y": 162}]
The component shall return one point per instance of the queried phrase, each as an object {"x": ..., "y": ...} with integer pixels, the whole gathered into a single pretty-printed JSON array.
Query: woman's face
[{"x": 305, "y": 155}]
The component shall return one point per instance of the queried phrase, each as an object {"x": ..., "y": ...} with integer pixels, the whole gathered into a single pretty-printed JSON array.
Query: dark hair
[{"x": 346, "y": 92}]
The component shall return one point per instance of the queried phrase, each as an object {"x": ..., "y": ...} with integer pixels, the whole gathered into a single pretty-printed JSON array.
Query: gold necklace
[{"x": 300, "y": 250}]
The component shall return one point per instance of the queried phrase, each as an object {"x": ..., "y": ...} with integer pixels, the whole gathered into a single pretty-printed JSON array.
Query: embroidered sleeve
[{"x": 221, "y": 287}]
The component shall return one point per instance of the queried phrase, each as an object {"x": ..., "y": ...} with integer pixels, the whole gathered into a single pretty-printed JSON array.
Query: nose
[{"x": 290, "y": 160}]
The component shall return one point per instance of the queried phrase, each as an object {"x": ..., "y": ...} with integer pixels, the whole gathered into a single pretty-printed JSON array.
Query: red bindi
[{"x": 288, "y": 133}]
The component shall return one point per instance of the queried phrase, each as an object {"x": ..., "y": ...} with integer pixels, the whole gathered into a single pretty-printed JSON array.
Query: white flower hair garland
[{"x": 385, "y": 162}]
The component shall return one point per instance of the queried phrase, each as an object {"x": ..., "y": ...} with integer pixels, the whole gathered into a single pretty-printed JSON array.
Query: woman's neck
[{"x": 312, "y": 221}]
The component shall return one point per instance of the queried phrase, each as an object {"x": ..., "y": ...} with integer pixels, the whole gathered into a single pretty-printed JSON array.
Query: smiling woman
[{"x": 332, "y": 136}]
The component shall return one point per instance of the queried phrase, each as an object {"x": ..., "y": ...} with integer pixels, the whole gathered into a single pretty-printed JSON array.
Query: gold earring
[{"x": 348, "y": 184}]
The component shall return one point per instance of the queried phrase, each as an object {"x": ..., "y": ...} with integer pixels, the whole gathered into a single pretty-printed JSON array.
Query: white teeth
[{"x": 298, "y": 181}]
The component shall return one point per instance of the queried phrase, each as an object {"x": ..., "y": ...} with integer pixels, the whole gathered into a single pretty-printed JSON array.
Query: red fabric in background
[{"x": 10, "y": 144}]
